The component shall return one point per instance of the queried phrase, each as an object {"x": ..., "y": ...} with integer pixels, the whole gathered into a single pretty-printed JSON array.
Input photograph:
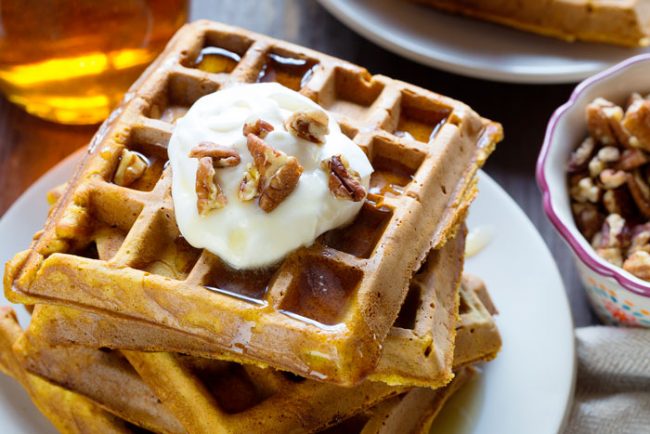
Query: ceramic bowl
[{"x": 617, "y": 296}]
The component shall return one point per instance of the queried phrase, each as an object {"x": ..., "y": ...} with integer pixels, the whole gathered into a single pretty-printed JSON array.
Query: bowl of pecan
[{"x": 594, "y": 173}]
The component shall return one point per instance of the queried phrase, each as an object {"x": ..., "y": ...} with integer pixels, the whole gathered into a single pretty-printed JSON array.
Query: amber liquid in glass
[{"x": 71, "y": 61}]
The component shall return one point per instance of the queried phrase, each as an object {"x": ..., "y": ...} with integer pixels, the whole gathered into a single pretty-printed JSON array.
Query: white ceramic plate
[
  {"x": 471, "y": 47},
  {"x": 528, "y": 388}
]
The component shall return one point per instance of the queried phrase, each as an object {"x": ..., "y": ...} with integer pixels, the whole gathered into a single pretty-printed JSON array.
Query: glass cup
[{"x": 70, "y": 61}]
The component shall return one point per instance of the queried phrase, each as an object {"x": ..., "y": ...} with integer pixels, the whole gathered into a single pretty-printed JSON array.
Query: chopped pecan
[
  {"x": 638, "y": 263},
  {"x": 619, "y": 201},
  {"x": 609, "y": 154},
  {"x": 221, "y": 156},
  {"x": 632, "y": 159},
  {"x": 344, "y": 182},
  {"x": 208, "y": 192},
  {"x": 596, "y": 165},
  {"x": 248, "y": 188},
  {"x": 640, "y": 192},
  {"x": 585, "y": 191},
  {"x": 611, "y": 178},
  {"x": 260, "y": 128},
  {"x": 613, "y": 255},
  {"x": 637, "y": 122},
  {"x": 640, "y": 239},
  {"x": 581, "y": 156},
  {"x": 603, "y": 121},
  {"x": 614, "y": 233},
  {"x": 130, "y": 168},
  {"x": 310, "y": 125},
  {"x": 279, "y": 173},
  {"x": 588, "y": 218}
]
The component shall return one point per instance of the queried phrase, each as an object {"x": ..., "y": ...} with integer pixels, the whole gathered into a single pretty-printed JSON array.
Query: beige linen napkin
[{"x": 613, "y": 383}]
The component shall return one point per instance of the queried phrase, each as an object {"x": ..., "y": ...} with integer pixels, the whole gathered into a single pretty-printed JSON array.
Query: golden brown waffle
[
  {"x": 410, "y": 413},
  {"x": 476, "y": 328},
  {"x": 417, "y": 352},
  {"x": 616, "y": 22},
  {"x": 425, "y": 149},
  {"x": 206, "y": 393},
  {"x": 69, "y": 412}
]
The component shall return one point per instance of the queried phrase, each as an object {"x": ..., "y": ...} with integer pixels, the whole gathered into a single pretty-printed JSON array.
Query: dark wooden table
[{"x": 29, "y": 146}]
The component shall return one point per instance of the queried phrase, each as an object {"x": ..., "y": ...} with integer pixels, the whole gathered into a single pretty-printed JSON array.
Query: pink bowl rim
[{"x": 587, "y": 256}]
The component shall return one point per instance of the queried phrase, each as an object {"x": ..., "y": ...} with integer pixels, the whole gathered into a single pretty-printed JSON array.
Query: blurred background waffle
[{"x": 425, "y": 149}]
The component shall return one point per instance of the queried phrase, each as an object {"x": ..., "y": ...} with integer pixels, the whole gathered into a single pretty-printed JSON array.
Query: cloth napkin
[{"x": 613, "y": 382}]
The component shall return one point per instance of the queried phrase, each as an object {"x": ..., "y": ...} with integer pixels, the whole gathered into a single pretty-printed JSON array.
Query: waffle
[
  {"x": 425, "y": 149},
  {"x": 476, "y": 328},
  {"x": 410, "y": 413},
  {"x": 617, "y": 22},
  {"x": 417, "y": 352},
  {"x": 69, "y": 412},
  {"x": 205, "y": 394}
]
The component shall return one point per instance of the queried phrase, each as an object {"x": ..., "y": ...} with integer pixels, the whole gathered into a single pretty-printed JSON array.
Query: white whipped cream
[{"x": 241, "y": 233}]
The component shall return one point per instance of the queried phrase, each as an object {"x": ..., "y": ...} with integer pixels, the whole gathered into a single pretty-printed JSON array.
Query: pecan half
[
  {"x": 279, "y": 173},
  {"x": 130, "y": 169},
  {"x": 260, "y": 128},
  {"x": 640, "y": 192},
  {"x": 637, "y": 122},
  {"x": 310, "y": 125},
  {"x": 603, "y": 121},
  {"x": 343, "y": 182},
  {"x": 208, "y": 192},
  {"x": 221, "y": 156}
]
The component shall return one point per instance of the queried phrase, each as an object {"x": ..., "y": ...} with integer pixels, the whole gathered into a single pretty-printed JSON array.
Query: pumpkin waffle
[
  {"x": 324, "y": 311},
  {"x": 206, "y": 394},
  {"x": 69, "y": 412},
  {"x": 417, "y": 352},
  {"x": 624, "y": 22},
  {"x": 411, "y": 412}
]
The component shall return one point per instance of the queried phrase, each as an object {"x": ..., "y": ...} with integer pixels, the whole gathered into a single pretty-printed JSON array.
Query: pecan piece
[
  {"x": 260, "y": 128},
  {"x": 581, "y": 156},
  {"x": 588, "y": 218},
  {"x": 585, "y": 191},
  {"x": 310, "y": 125},
  {"x": 603, "y": 122},
  {"x": 208, "y": 191},
  {"x": 611, "y": 178},
  {"x": 130, "y": 169},
  {"x": 221, "y": 156},
  {"x": 640, "y": 192},
  {"x": 632, "y": 159},
  {"x": 279, "y": 173},
  {"x": 248, "y": 188},
  {"x": 637, "y": 122},
  {"x": 343, "y": 182},
  {"x": 638, "y": 263}
]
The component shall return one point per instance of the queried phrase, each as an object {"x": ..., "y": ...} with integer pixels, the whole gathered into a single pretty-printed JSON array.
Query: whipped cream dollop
[{"x": 241, "y": 233}]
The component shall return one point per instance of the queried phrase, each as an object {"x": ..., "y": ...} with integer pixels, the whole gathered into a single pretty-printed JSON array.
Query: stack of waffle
[{"x": 370, "y": 329}]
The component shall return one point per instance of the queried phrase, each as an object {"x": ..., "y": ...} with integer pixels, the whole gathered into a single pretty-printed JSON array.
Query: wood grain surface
[{"x": 29, "y": 146}]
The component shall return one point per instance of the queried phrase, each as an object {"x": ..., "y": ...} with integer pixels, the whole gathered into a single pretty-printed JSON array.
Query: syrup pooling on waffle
[{"x": 343, "y": 347}]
